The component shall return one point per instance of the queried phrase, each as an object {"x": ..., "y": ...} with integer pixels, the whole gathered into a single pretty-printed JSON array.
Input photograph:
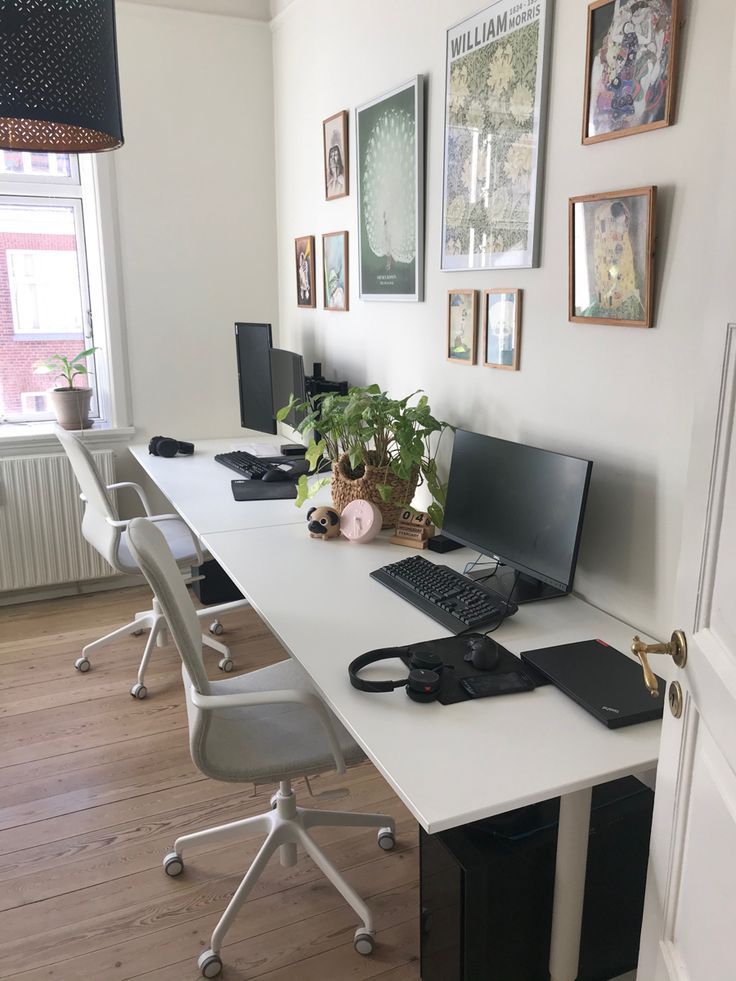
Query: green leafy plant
[
  {"x": 398, "y": 436},
  {"x": 66, "y": 368}
]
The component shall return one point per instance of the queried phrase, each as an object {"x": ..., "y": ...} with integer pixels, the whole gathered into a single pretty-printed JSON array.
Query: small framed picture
[
  {"x": 501, "y": 328},
  {"x": 304, "y": 256},
  {"x": 611, "y": 258},
  {"x": 335, "y": 269},
  {"x": 335, "y": 142},
  {"x": 462, "y": 316},
  {"x": 630, "y": 67}
]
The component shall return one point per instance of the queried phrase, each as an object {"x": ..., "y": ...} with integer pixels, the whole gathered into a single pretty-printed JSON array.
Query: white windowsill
[{"x": 40, "y": 437}]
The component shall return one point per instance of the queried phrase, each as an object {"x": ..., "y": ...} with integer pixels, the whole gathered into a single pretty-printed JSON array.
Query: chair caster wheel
[
  {"x": 137, "y": 633},
  {"x": 364, "y": 942},
  {"x": 386, "y": 839},
  {"x": 209, "y": 964},
  {"x": 173, "y": 864},
  {"x": 274, "y": 801},
  {"x": 226, "y": 665},
  {"x": 82, "y": 664},
  {"x": 216, "y": 628},
  {"x": 139, "y": 691}
]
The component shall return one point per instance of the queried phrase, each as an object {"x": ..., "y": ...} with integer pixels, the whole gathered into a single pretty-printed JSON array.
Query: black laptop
[{"x": 605, "y": 682}]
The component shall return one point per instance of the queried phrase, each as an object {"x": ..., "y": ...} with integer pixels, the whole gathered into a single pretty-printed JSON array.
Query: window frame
[{"x": 91, "y": 187}]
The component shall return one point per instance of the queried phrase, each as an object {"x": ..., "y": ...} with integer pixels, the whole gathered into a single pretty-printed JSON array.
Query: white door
[{"x": 689, "y": 930}]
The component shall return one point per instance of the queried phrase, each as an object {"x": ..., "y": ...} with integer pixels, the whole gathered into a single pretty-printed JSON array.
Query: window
[{"x": 50, "y": 277}]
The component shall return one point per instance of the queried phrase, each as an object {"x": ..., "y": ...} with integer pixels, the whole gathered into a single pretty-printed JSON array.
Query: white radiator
[{"x": 41, "y": 541}]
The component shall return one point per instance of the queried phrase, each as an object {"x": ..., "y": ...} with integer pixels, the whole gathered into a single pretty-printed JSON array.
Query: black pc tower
[{"x": 487, "y": 888}]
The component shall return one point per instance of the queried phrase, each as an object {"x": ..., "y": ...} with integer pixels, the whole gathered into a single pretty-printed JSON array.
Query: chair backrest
[
  {"x": 153, "y": 555},
  {"x": 96, "y": 529}
]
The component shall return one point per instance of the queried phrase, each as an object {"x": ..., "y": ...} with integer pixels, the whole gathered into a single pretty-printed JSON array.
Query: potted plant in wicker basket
[
  {"x": 70, "y": 403},
  {"x": 380, "y": 448}
]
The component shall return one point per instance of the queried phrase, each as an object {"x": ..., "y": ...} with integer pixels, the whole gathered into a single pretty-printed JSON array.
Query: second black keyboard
[
  {"x": 247, "y": 465},
  {"x": 445, "y": 595}
]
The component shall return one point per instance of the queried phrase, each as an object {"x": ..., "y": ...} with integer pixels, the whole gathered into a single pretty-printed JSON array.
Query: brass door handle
[{"x": 676, "y": 648}]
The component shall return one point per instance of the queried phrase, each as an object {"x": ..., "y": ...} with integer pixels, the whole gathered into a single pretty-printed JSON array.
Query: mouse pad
[{"x": 452, "y": 650}]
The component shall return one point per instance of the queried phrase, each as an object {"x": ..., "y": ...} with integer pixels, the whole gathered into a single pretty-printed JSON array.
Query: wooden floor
[{"x": 95, "y": 787}]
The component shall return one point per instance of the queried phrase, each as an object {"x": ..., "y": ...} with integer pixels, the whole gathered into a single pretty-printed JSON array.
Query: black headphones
[
  {"x": 168, "y": 446},
  {"x": 425, "y": 673}
]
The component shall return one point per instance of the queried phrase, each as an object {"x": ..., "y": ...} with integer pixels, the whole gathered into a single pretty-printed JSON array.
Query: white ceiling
[{"x": 250, "y": 9}]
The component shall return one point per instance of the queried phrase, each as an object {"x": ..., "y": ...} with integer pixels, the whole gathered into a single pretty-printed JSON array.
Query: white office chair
[
  {"x": 265, "y": 726},
  {"x": 107, "y": 534}
]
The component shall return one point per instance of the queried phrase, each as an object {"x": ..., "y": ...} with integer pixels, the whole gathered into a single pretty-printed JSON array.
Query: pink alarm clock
[{"x": 360, "y": 521}]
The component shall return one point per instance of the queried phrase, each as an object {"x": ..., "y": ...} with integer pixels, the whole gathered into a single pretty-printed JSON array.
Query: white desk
[
  {"x": 449, "y": 764},
  {"x": 199, "y": 487}
]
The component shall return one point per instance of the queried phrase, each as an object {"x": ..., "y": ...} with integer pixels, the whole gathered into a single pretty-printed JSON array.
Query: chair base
[
  {"x": 285, "y": 826},
  {"x": 154, "y": 621}
]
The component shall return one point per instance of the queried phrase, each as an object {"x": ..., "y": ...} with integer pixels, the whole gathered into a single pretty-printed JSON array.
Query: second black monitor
[
  {"x": 522, "y": 505},
  {"x": 287, "y": 379}
]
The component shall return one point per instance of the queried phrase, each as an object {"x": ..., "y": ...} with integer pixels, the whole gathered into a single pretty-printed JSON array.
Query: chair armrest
[
  {"x": 139, "y": 491},
  {"x": 297, "y": 695}
]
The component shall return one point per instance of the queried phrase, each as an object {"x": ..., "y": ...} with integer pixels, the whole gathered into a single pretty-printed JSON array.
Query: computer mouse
[
  {"x": 483, "y": 653},
  {"x": 275, "y": 475}
]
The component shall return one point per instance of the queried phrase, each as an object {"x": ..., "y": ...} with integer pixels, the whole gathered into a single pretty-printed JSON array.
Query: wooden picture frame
[
  {"x": 335, "y": 271},
  {"x": 629, "y": 101},
  {"x": 502, "y": 328},
  {"x": 462, "y": 320},
  {"x": 611, "y": 258},
  {"x": 306, "y": 293},
  {"x": 336, "y": 155}
]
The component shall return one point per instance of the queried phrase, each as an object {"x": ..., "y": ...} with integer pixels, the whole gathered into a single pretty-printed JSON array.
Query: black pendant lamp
[{"x": 59, "y": 90}]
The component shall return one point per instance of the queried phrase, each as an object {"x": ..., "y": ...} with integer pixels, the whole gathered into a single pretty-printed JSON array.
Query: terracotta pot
[
  {"x": 71, "y": 406},
  {"x": 346, "y": 488}
]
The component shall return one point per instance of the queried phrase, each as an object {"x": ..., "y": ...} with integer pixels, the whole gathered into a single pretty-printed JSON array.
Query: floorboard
[{"x": 94, "y": 787}]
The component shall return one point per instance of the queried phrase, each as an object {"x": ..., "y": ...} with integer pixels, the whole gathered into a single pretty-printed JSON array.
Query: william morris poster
[
  {"x": 390, "y": 137},
  {"x": 495, "y": 98}
]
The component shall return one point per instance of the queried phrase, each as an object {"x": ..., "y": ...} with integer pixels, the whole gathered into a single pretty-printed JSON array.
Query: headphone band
[{"x": 362, "y": 684}]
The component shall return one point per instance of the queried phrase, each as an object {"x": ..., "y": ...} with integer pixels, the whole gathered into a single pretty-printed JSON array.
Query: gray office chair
[
  {"x": 265, "y": 726},
  {"x": 107, "y": 534}
]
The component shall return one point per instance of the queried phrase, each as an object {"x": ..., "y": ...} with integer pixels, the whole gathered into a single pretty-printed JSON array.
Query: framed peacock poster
[
  {"x": 390, "y": 139},
  {"x": 495, "y": 109}
]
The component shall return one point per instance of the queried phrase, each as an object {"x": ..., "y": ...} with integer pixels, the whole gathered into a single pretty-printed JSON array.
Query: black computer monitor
[
  {"x": 287, "y": 379},
  {"x": 253, "y": 348},
  {"x": 522, "y": 505}
]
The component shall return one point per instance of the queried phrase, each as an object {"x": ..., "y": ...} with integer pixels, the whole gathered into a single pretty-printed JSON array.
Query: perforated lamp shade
[{"x": 59, "y": 88}]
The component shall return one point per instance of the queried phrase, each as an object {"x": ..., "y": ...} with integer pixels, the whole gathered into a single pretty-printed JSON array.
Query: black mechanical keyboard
[
  {"x": 443, "y": 594},
  {"x": 251, "y": 467}
]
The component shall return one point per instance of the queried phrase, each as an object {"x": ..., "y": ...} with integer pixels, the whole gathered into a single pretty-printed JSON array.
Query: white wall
[
  {"x": 618, "y": 395},
  {"x": 195, "y": 185}
]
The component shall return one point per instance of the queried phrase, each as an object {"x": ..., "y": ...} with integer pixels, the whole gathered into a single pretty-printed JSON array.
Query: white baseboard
[{"x": 13, "y": 597}]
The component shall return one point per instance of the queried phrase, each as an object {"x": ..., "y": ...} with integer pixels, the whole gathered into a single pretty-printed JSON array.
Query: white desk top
[
  {"x": 199, "y": 487},
  {"x": 463, "y": 762}
]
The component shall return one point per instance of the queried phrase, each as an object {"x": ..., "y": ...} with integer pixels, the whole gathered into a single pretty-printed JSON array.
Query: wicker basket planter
[{"x": 346, "y": 488}]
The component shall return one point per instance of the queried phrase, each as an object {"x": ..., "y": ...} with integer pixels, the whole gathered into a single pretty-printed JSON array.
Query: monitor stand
[{"x": 527, "y": 589}]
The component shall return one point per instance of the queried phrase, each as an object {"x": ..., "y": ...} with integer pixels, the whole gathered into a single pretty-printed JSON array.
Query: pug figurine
[{"x": 323, "y": 523}]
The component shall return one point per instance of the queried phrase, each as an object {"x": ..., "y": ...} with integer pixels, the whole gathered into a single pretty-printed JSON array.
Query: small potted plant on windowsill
[
  {"x": 380, "y": 449},
  {"x": 71, "y": 404}
]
